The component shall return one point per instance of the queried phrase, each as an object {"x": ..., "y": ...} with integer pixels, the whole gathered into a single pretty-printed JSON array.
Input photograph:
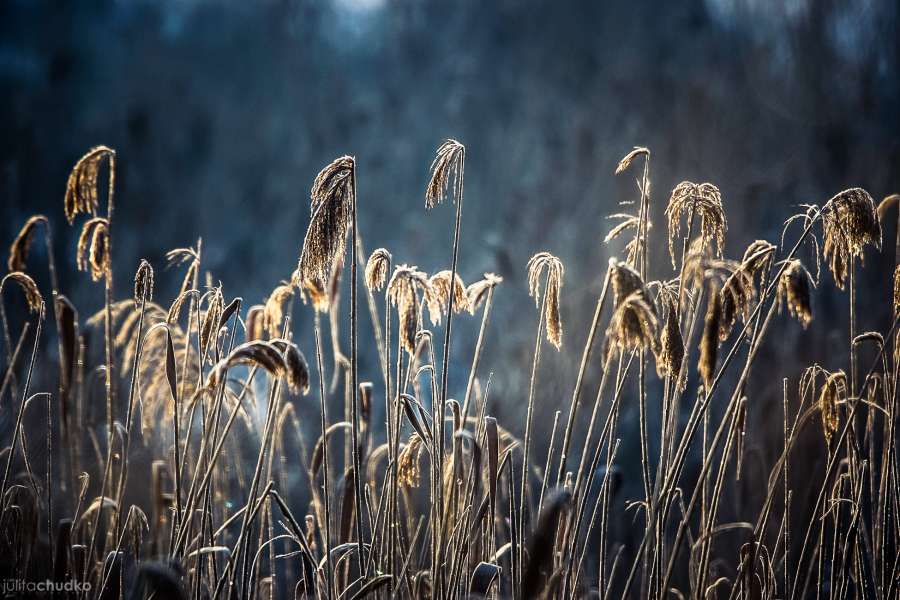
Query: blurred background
[{"x": 222, "y": 114}]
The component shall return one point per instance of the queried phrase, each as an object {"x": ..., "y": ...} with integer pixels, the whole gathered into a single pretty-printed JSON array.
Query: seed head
[
  {"x": 628, "y": 158},
  {"x": 709, "y": 344},
  {"x": 18, "y": 250},
  {"x": 634, "y": 323},
  {"x": 402, "y": 294},
  {"x": 555, "y": 271},
  {"x": 254, "y": 325},
  {"x": 377, "y": 269},
  {"x": 81, "y": 188},
  {"x": 671, "y": 355},
  {"x": 408, "y": 472},
  {"x": 690, "y": 201},
  {"x": 441, "y": 288},
  {"x": 850, "y": 222},
  {"x": 448, "y": 164},
  {"x": 331, "y": 203},
  {"x": 757, "y": 257},
  {"x": 274, "y": 309},
  {"x": 478, "y": 291},
  {"x": 795, "y": 290},
  {"x": 93, "y": 248},
  {"x": 296, "y": 368},
  {"x": 29, "y": 288},
  {"x": 143, "y": 283},
  {"x": 834, "y": 390}
]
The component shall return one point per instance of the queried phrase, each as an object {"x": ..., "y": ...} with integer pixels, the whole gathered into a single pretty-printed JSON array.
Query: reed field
[{"x": 170, "y": 455}]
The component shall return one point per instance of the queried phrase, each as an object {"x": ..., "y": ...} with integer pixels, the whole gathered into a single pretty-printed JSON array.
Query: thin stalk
[{"x": 529, "y": 414}]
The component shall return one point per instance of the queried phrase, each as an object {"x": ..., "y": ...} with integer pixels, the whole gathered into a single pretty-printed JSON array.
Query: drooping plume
[
  {"x": 81, "y": 188},
  {"x": 18, "y": 250},
  {"x": 402, "y": 293},
  {"x": 447, "y": 166},
  {"x": 692, "y": 201},
  {"x": 555, "y": 271},
  {"x": 377, "y": 269},
  {"x": 326, "y": 238},
  {"x": 795, "y": 290},
  {"x": 850, "y": 222}
]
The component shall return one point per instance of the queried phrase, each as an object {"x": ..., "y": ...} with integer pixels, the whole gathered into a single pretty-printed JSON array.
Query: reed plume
[
  {"x": 33, "y": 298},
  {"x": 536, "y": 266},
  {"x": 850, "y": 222},
  {"x": 795, "y": 290},
  {"x": 671, "y": 353},
  {"x": 408, "y": 471},
  {"x": 628, "y": 158},
  {"x": 210, "y": 320},
  {"x": 401, "y": 291},
  {"x": 897, "y": 289},
  {"x": 273, "y": 313},
  {"x": 758, "y": 257},
  {"x": 709, "y": 343},
  {"x": 331, "y": 204},
  {"x": 93, "y": 248},
  {"x": 377, "y": 269},
  {"x": 441, "y": 289},
  {"x": 18, "y": 250},
  {"x": 833, "y": 392},
  {"x": 737, "y": 295},
  {"x": 446, "y": 167},
  {"x": 143, "y": 283},
  {"x": 691, "y": 200},
  {"x": 81, "y": 188},
  {"x": 477, "y": 292},
  {"x": 269, "y": 356},
  {"x": 634, "y": 323},
  {"x": 254, "y": 324}
]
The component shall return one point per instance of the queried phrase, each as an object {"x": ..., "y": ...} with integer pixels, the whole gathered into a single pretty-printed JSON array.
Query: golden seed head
[
  {"x": 29, "y": 288},
  {"x": 408, "y": 472},
  {"x": 850, "y": 221},
  {"x": 18, "y": 250},
  {"x": 671, "y": 354},
  {"x": 478, "y": 291},
  {"x": 833, "y": 392},
  {"x": 441, "y": 289},
  {"x": 690, "y": 201},
  {"x": 296, "y": 368},
  {"x": 254, "y": 325},
  {"x": 897, "y": 288},
  {"x": 628, "y": 158},
  {"x": 326, "y": 238},
  {"x": 795, "y": 290},
  {"x": 634, "y": 323},
  {"x": 555, "y": 271},
  {"x": 709, "y": 343},
  {"x": 377, "y": 269},
  {"x": 737, "y": 295},
  {"x": 273, "y": 313},
  {"x": 81, "y": 188},
  {"x": 757, "y": 257},
  {"x": 401, "y": 292},
  {"x": 93, "y": 248},
  {"x": 209, "y": 321},
  {"x": 143, "y": 283},
  {"x": 448, "y": 164},
  {"x": 265, "y": 355}
]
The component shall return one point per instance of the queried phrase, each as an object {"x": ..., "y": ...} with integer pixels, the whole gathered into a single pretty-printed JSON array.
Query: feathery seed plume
[{"x": 555, "y": 271}]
